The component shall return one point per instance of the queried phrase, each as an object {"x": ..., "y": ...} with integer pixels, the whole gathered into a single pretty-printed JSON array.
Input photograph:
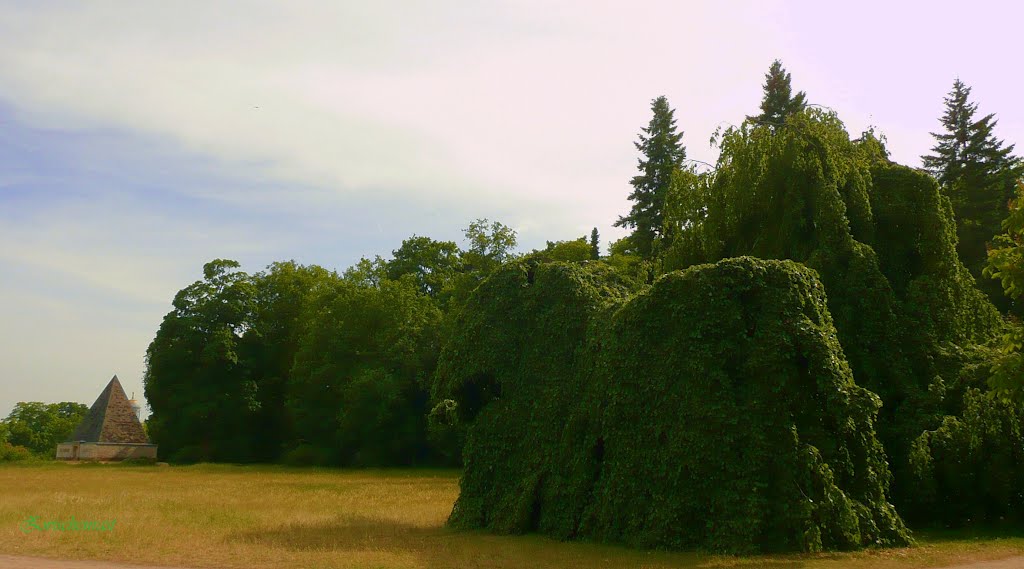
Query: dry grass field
[{"x": 272, "y": 517}]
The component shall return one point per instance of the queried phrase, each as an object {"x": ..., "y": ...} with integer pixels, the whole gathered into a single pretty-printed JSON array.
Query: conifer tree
[
  {"x": 595, "y": 249},
  {"x": 662, "y": 153},
  {"x": 779, "y": 101},
  {"x": 977, "y": 172}
]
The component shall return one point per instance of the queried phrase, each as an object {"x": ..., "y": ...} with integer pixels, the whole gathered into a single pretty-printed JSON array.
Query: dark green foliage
[
  {"x": 566, "y": 251},
  {"x": 1006, "y": 264},
  {"x": 367, "y": 272},
  {"x": 434, "y": 264},
  {"x": 446, "y": 431},
  {"x": 779, "y": 102},
  {"x": 971, "y": 468},
  {"x": 299, "y": 364},
  {"x": 936, "y": 310},
  {"x": 282, "y": 295},
  {"x": 203, "y": 396},
  {"x": 292, "y": 363},
  {"x": 880, "y": 235},
  {"x": 714, "y": 410},
  {"x": 916, "y": 244},
  {"x": 977, "y": 172},
  {"x": 662, "y": 153},
  {"x": 595, "y": 245},
  {"x": 40, "y": 427},
  {"x": 785, "y": 194},
  {"x": 490, "y": 244},
  {"x": 357, "y": 393},
  {"x": 776, "y": 195},
  {"x": 622, "y": 257}
]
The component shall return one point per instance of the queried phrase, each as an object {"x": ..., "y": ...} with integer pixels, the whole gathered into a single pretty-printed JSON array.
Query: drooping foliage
[
  {"x": 971, "y": 468},
  {"x": 662, "y": 152},
  {"x": 1006, "y": 264},
  {"x": 880, "y": 235},
  {"x": 713, "y": 410}
]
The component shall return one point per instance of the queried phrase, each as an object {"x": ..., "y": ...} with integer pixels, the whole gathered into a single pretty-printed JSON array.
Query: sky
[{"x": 139, "y": 140}]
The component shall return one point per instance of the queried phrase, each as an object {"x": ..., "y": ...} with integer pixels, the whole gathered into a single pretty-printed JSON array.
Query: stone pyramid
[{"x": 111, "y": 419}]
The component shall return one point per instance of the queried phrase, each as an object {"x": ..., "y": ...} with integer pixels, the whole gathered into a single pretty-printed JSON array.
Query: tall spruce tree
[
  {"x": 977, "y": 172},
  {"x": 595, "y": 245},
  {"x": 779, "y": 101},
  {"x": 662, "y": 153}
]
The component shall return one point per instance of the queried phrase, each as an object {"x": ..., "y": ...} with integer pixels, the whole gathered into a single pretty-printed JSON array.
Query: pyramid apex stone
[{"x": 111, "y": 419}]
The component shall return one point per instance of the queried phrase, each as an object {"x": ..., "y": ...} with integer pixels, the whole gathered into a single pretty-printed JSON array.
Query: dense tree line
[
  {"x": 394, "y": 361},
  {"x": 305, "y": 365},
  {"x": 36, "y": 428}
]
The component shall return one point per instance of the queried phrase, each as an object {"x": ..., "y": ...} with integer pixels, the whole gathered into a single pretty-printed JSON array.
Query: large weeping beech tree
[
  {"x": 662, "y": 153},
  {"x": 978, "y": 172},
  {"x": 713, "y": 410},
  {"x": 883, "y": 240}
]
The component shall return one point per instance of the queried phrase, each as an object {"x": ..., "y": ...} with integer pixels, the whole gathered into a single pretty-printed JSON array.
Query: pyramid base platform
[{"x": 104, "y": 451}]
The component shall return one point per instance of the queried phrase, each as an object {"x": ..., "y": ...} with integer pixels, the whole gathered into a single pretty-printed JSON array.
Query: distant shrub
[{"x": 14, "y": 453}]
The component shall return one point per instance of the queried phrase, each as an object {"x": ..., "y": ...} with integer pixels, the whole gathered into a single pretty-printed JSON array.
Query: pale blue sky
[{"x": 139, "y": 140}]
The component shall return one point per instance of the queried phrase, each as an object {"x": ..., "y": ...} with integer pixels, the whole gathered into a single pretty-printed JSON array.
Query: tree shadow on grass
[
  {"x": 443, "y": 547},
  {"x": 345, "y": 534}
]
